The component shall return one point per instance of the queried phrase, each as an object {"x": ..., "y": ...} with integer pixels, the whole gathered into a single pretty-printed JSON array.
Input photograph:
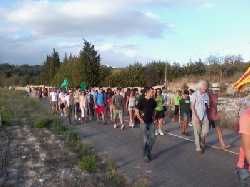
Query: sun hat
[{"x": 215, "y": 86}]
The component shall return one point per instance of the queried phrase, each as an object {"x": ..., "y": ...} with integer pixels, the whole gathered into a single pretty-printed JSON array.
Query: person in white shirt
[
  {"x": 53, "y": 99},
  {"x": 62, "y": 103},
  {"x": 69, "y": 98},
  {"x": 83, "y": 105}
]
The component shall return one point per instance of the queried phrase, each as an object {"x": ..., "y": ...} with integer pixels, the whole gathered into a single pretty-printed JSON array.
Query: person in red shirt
[
  {"x": 213, "y": 115},
  {"x": 243, "y": 164}
]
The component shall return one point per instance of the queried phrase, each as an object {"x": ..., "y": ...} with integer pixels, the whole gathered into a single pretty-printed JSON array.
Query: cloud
[
  {"x": 85, "y": 19},
  {"x": 30, "y": 29}
]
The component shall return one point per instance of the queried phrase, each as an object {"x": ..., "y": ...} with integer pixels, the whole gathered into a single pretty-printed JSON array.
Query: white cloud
[
  {"x": 85, "y": 18},
  {"x": 63, "y": 24}
]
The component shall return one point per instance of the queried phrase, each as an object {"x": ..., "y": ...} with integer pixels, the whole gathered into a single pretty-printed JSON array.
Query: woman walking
[
  {"x": 213, "y": 115},
  {"x": 159, "y": 112},
  {"x": 185, "y": 112},
  {"x": 131, "y": 108}
]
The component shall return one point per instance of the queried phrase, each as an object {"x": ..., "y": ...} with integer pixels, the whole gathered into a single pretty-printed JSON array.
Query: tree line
[{"x": 86, "y": 67}]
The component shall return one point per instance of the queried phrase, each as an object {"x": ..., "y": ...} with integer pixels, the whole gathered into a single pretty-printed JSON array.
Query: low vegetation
[{"x": 19, "y": 109}]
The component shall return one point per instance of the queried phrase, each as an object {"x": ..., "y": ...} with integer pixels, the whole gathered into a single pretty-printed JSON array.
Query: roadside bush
[
  {"x": 142, "y": 182},
  {"x": 88, "y": 163},
  {"x": 72, "y": 139},
  {"x": 112, "y": 177},
  {"x": 42, "y": 123},
  {"x": 84, "y": 149},
  {"x": 6, "y": 116}
]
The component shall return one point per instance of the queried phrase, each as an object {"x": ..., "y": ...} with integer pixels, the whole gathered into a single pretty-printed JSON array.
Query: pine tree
[
  {"x": 50, "y": 68},
  {"x": 89, "y": 64}
]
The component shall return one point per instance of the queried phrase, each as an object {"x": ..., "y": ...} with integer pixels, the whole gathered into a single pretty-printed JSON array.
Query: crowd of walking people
[{"x": 151, "y": 107}]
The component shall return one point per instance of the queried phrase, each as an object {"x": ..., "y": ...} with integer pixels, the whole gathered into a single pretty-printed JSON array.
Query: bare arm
[
  {"x": 245, "y": 143},
  {"x": 137, "y": 114},
  {"x": 194, "y": 111}
]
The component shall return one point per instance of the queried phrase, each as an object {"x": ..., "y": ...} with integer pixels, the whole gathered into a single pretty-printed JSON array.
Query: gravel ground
[{"x": 36, "y": 157}]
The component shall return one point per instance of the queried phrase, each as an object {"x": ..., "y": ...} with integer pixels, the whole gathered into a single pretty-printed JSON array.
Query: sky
[{"x": 124, "y": 31}]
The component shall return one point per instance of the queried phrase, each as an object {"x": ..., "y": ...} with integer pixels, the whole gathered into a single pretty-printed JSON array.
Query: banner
[
  {"x": 65, "y": 84},
  {"x": 83, "y": 86},
  {"x": 243, "y": 81}
]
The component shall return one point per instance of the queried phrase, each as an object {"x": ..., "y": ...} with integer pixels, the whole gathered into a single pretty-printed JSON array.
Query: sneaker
[
  {"x": 160, "y": 132},
  {"x": 190, "y": 124},
  {"x": 198, "y": 150},
  {"x": 122, "y": 127},
  {"x": 115, "y": 126},
  {"x": 156, "y": 132},
  {"x": 131, "y": 124},
  {"x": 202, "y": 144}
]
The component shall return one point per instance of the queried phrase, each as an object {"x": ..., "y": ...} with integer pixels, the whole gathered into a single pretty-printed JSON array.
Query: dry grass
[{"x": 18, "y": 108}]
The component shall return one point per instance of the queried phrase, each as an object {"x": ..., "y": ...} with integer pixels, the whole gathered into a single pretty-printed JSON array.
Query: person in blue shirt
[{"x": 100, "y": 104}]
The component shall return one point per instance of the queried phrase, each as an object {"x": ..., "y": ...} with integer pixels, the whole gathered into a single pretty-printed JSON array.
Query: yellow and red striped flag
[{"x": 243, "y": 81}]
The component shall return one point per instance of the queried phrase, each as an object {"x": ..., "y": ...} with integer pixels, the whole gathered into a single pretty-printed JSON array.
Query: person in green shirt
[
  {"x": 159, "y": 112},
  {"x": 177, "y": 99},
  {"x": 185, "y": 112}
]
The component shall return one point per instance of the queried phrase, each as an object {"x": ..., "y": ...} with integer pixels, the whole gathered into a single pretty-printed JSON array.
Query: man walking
[
  {"x": 147, "y": 108},
  {"x": 199, "y": 106},
  {"x": 118, "y": 104},
  {"x": 100, "y": 104}
]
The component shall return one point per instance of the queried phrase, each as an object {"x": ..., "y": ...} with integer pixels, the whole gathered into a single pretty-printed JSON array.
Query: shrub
[
  {"x": 41, "y": 123},
  {"x": 88, "y": 163},
  {"x": 84, "y": 149},
  {"x": 142, "y": 182},
  {"x": 112, "y": 177},
  {"x": 6, "y": 116},
  {"x": 72, "y": 139}
]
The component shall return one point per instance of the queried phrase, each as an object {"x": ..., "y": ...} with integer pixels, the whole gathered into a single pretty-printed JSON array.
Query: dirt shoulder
[{"x": 36, "y": 157}]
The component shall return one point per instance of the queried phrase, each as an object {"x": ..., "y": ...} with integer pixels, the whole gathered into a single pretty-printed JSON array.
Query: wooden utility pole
[{"x": 166, "y": 72}]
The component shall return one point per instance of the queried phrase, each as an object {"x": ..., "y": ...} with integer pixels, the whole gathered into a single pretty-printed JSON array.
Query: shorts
[
  {"x": 99, "y": 109},
  {"x": 131, "y": 108},
  {"x": 117, "y": 113},
  {"x": 159, "y": 114},
  {"x": 77, "y": 108},
  {"x": 186, "y": 116},
  {"x": 214, "y": 123},
  {"x": 176, "y": 110},
  {"x": 62, "y": 106},
  {"x": 54, "y": 103}
]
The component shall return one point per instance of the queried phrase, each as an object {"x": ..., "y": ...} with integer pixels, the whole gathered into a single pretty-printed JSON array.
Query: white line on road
[{"x": 212, "y": 146}]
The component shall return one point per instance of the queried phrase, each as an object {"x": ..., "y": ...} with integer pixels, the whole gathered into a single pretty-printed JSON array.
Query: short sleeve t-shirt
[
  {"x": 117, "y": 101},
  {"x": 53, "y": 96},
  {"x": 100, "y": 99},
  {"x": 147, "y": 107},
  {"x": 185, "y": 106},
  {"x": 160, "y": 103},
  {"x": 201, "y": 104},
  {"x": 212, "y": 110},
  {"x": 177, "y": 99},
  {"x": 244, "y": 128}
]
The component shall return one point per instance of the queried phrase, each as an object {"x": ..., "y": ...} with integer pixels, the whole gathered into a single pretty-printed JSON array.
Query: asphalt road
[{"x": 175, "y": 162}]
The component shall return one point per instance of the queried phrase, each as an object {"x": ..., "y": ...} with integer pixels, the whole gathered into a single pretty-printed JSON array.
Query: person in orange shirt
[{"x": 243, "y": 164}]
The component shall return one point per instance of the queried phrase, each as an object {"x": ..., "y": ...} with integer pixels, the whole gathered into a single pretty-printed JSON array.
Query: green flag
[
  {"x": 83, "y": 86},
  {"x": 65, "y": 84}
]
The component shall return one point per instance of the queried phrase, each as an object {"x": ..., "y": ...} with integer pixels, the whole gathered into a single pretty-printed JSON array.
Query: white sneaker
[
  {"x": 115, "y": 126},
  {"x": 122, "y": 127},
  {"x": 156, "y": 132},
  {"x": 190, "y": 124},
  {"x": 161, "y": 133},
  {"x": 131, "y": 125}
]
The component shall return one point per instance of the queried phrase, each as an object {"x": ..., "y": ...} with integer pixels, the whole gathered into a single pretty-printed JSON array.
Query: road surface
[{"x": 175, "y": 162}]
